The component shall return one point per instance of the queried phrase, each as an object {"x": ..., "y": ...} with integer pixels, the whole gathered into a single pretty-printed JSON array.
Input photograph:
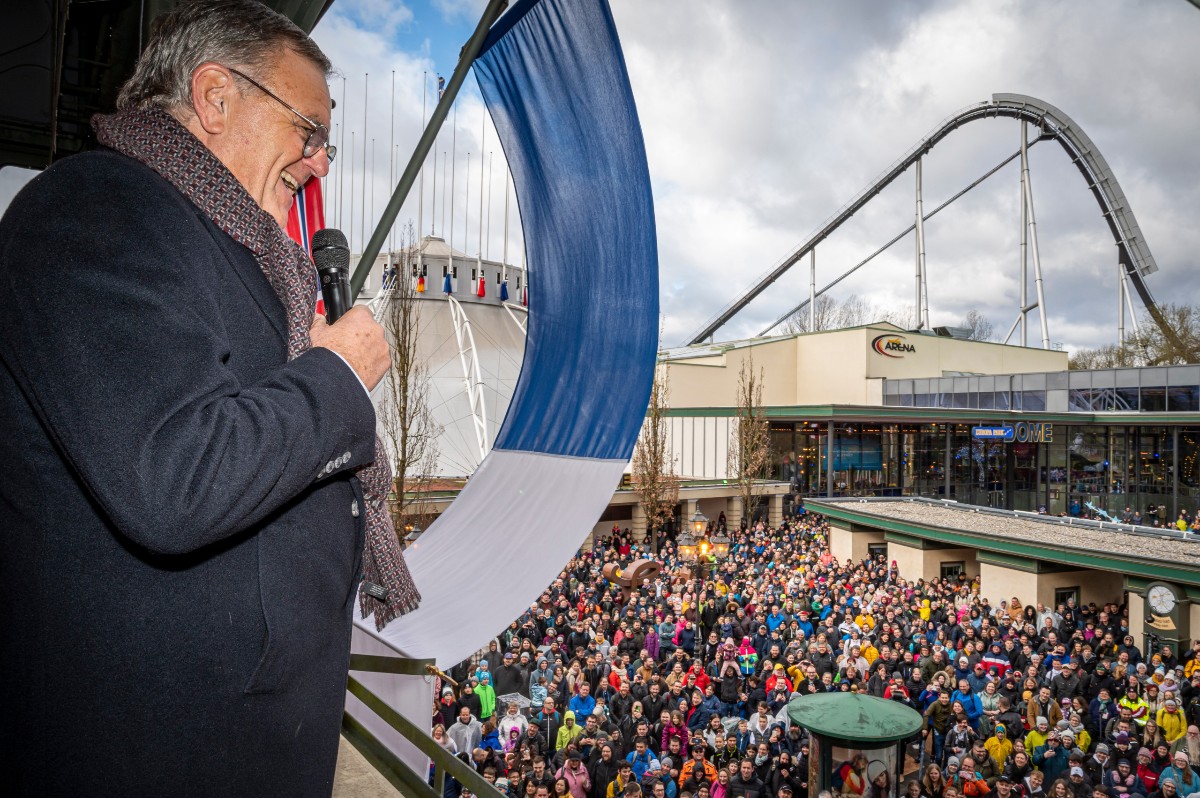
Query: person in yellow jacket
[
  {"x": 869, "y": 652},
  {"x": 999, "y": 747},
  {"x": 1172, "y": 723},
  {"x": 568, "y": 732},
  {"x": 1137, "y": 705}
]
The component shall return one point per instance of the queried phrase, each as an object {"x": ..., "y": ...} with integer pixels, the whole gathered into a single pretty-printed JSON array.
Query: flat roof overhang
[
  {"x": 937, "y": 415},
  {"x": 1156, "y": 555}
]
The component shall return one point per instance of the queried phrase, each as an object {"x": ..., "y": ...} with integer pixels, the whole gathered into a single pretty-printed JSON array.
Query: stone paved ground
[{"x": 355, "y": 778}]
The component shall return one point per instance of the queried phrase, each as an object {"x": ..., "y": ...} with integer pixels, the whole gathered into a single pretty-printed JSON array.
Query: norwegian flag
[{"x": 306, "y": 217}]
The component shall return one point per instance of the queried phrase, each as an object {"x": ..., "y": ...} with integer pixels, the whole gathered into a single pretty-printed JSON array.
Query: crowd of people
[{"x": 680, "y": 689}]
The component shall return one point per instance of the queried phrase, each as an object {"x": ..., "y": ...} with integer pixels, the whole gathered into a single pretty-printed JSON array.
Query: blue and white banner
[{"x": 554, "y": 80}]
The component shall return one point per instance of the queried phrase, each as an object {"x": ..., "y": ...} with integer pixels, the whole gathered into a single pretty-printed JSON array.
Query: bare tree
[
  {"x": 826, "y": 316},
  {"x": 979, "y": 325},
  {"x": 750, "y": 450},
  {"x": 853, "y": 311},
  {"x": 654, "y": 477},
  {"x": 1168, "y": 337},
  {"x": 405, "y": 413}
]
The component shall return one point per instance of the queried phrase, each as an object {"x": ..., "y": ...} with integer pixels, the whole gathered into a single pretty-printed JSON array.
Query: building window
[
  {"x": 877, "y": 550},
  {"x": 1063, "y": 594},
  {"x": 952, "y": 570}
]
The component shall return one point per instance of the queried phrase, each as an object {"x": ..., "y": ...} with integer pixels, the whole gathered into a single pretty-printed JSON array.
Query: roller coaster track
[{"x": 1133, "y": 252}]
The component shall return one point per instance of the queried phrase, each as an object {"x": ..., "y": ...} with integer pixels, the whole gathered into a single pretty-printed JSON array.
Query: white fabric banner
[{"x": 485, "y": 560}]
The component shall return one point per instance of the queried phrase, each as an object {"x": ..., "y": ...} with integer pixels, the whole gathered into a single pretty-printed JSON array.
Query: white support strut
[{"x": 472, "y": 376}]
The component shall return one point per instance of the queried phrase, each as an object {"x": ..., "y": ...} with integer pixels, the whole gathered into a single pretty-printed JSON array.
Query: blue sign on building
[{"x": 1005, "y": 433}]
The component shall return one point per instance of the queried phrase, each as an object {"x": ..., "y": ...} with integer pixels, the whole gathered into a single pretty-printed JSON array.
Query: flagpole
[
  {"x": 421, "y": 183},
  {"x": 466, "y": 57},
  {"x": 350, "y": 162},
  {"x": 453, "y": 185},
  {"x": 444, "y": 192},
  {"x": 479, "y": 252},
  {"x": 433, "y": 200},
  {"x": 467, "y": 206},
  {"x": 342, "y": 168},
  {"x": 370, "y": 208},
  {"x": 391, "y": 149},
  {"x": 504, "y": 255},
  {"x": 363, "y": 224},
  {"x": 488, "y": 246}
]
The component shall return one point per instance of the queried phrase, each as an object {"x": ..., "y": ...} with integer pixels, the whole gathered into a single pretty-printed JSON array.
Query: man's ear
[{"x": 212, "y": 91}]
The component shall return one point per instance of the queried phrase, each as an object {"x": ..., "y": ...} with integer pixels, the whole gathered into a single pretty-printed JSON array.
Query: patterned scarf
[{"x": 158, "y": 140}]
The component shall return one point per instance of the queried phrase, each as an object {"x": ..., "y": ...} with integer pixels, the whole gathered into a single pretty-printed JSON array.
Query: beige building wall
[
  {"x": 934, "y": 558},
  {"x": 1137, "y": 620},
  {"x": 935, "y": 356},
  {"x": 841, "y": 366},
  {"x": 851, "y": 546},
  {"x": 840, "y": 542},
  {"x": 997, "y": 583},
  {"x": 832, "y": 368},
  {"x": 910, "y": 560}
]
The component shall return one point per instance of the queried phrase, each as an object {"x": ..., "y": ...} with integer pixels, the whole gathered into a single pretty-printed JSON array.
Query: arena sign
[{"x": 891, "y": 345}]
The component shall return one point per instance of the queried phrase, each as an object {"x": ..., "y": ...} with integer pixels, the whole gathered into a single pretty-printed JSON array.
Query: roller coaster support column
[
  {"x": 921, "y": 309},
  {"x": 1033, "y": 243},
  {"x": 812, "y": 290},
  {"x": 1024, "y": 314},
  {"x": 1120, "y": 307}
]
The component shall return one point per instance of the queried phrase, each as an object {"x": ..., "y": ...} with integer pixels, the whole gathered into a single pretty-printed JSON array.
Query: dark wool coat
[{"x": 177, "y": 565}]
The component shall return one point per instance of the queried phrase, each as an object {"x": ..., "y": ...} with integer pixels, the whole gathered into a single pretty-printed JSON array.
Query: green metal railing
[{"x": 402, "y": 777}]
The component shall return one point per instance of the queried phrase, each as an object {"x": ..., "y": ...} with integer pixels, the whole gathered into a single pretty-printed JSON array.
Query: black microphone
[{"x": 331, "y": 253}]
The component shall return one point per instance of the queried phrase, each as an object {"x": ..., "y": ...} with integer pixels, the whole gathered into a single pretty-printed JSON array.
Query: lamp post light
[
  {"x": 414, "y": 534},
  {"x": 687, "y": 547},
  {"x": 720, "y": 545}
]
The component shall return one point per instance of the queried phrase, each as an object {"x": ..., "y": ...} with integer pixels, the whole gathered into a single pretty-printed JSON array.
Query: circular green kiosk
[{"x": 872, "y": 730}]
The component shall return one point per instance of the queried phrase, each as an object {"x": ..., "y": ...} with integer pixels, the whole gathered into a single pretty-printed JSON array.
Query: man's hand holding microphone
[{"x": 350, "y": 331}]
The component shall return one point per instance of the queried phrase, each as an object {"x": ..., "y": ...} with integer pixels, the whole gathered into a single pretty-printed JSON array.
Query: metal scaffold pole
[
  {"x": 1033, "y": 246},
  {"x": 922, "y": 307},
  {"x": 1024, "y": 312}
]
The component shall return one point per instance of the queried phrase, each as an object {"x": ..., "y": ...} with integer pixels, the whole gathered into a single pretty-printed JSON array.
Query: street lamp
[
  {"x": 720, "y": 544},
  {"x": 687, "y": 547},
  {"x": 699, "y": 523},
  {"x": 414, "y": 534}
]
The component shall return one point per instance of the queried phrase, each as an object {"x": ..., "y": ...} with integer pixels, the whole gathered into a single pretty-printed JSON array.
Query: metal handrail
[{"x": 443, "y": 761}]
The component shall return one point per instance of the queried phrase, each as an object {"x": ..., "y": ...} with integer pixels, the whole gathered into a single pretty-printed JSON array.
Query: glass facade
[
  {"x": 1163, "y": 389},
  {"x": 1082, "y": 468}
]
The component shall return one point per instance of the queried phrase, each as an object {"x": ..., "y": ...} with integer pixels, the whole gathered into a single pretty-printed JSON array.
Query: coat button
[{"x": 354, "y": 508}]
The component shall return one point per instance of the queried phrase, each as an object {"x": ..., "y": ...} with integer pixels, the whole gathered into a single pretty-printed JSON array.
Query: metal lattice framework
[{"x": 1134, "y": 257}]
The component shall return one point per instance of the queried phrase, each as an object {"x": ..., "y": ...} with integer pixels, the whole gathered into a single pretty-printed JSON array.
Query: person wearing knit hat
[
  {"x": 1172, "y": 723},
  {"x": 999, "y": 747}
]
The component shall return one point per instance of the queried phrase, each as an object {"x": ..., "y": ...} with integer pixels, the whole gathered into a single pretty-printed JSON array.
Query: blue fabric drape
[{"x": 554, "y": 80}]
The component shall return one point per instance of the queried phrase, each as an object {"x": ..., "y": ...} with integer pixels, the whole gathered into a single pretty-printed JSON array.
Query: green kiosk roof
[{"x": 853, "y": 719}]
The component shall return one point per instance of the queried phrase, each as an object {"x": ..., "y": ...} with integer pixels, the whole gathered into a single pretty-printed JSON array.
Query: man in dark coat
[{"x": 182, "y": 528}]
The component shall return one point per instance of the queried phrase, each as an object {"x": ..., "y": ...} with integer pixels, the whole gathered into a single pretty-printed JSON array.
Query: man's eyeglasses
[{"x": 318, "y": 134}]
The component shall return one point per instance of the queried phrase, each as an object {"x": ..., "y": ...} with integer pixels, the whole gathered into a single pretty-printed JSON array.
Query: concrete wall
[
  {"x": 834, "y": 365},
  {"x": 998, "y": 584},
  {"x": 909, "y": 560},
  {"x": 1137, "y": 620},
  {"x": 935, "y": 356},
  {"x": 846, "y": 545},
  {"x": 843, "y": 367},
  {"x": 840, "y": 541}
]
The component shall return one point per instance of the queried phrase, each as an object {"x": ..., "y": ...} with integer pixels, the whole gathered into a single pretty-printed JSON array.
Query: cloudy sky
[{"x": 762, "y": 118}]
